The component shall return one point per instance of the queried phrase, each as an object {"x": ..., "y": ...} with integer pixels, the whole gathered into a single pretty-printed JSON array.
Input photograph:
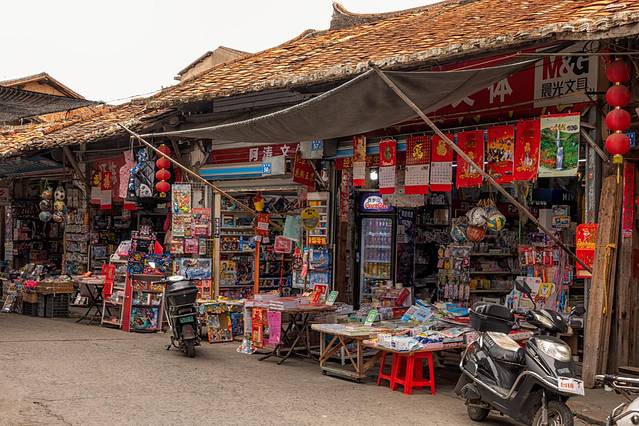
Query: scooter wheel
[
  {"x": 189, "y": 348},
  {"x": 558, "y": 415},
  {"x": 477, "y": 414}
]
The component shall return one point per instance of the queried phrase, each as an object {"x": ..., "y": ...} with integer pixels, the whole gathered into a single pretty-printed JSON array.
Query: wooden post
[{"x": 601, "y": 291}]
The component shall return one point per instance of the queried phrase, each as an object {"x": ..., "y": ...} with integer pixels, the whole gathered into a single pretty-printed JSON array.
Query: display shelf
[
  {"x": 493, "y": 273},
  {"x": 490, "y": 290},
  {"x": 377, "y": 261},
  {"x": 380, "y": 247},
  {"x": 236, "y": 286},
  {"x": 478, "y": 254},
  {"x": 237, "y": 252}
]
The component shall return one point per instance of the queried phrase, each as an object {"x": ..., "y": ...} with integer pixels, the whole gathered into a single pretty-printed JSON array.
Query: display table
[
  {"x": 341, "y": 337},
  {"x": 298, "y": 329},
  {"x": 94, "y": 286}
]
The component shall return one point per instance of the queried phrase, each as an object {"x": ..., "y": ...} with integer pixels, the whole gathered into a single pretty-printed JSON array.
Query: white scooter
[{"x": 626, "y": 414}]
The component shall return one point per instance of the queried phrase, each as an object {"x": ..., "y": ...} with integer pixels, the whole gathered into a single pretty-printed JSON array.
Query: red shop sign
[{"x": 252, "y": 154}]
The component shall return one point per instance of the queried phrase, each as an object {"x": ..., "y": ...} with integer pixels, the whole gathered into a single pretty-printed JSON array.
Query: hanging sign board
[
  {"x": 374, "y": 203},
  {"x": 500, "y": 153},
  {"x": 359, "y": 161},
  {"x": 387, "y": 162},
  {"x": 417, "y": 165},
  {"x": 282, "y": 245},
  {"x": 527, "y": 150},
  {"x": 559, "y": 151},
  {"x": 303, "y": 173},
  {"x": 310, "y": 218},
  {"x": 441, "y": 166},
  {"x": 586, "y": 238},
  {"x": 472, "y": 143}
]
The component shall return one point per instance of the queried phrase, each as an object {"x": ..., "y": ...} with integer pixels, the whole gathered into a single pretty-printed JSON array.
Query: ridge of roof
[
  {"x": 418, "y": 36},
  {"x": 42, "y": 76},
  {"x": 344, "y": 18},
  {"x": 239, "y": 53}
]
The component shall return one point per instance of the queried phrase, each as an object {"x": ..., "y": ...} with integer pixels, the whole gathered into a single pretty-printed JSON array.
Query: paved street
[{"x": 56, "y": 372}]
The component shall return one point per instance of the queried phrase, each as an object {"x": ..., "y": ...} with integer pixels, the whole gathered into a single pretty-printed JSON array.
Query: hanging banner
[
  {"x": 261, "y": 228},
  {"x": 586, "y": 238},
  {"x": 441, "y": 165},
  {"x": 359, "y": 161},
  {"x": 304, "y": 173},
  {"x": 628, "y": 204},
  {"x": 344, "y": 196},
  {"x": 472, "y": 143},
  {"x": 527, "y": 150},
  {"x": 417, "y": 165},
  {"x": 387, "y": 162},
  {"x": 559, "y": 152},
  {"x": 500, "y": 153}
]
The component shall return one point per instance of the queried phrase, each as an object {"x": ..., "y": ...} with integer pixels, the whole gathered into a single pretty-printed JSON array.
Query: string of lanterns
[
  {"x": 618, "y": 119},
  {"x": 163, "y": 174}
]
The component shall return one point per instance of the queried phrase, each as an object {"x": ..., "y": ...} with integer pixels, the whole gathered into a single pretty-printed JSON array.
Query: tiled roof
[
  {"x": 419, "y": 35},
  {"x": 99, "y": 124},
  {"x": 40, "y": 78},
  {"x": 431, "y": 33}
]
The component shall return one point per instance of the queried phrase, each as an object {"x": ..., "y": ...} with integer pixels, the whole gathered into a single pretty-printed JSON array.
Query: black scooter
[
  {"x": 181, "y": 313},
  {"x": 529, "y": 385}
]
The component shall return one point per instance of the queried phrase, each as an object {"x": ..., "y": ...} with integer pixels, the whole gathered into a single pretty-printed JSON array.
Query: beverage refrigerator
[{"x": 376, "y": 254}]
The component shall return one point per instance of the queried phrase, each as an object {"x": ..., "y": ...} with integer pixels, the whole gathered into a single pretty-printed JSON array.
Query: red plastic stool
[
  {"x": 385, "y": 376},
  {"x": 407, "y": 371}
]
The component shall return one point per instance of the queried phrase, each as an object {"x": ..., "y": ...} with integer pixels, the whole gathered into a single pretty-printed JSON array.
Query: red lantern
[
  {"x": 618, "y": 96},
  {"x": 618, "y": 71},
  {"x": 162, "y": 187},
  {"x": 164, "y": 149},
  {"x": 617, "y": 144},
  {"x": 618, "y": 120},
  {"x": 162, "y": 163},
  {"x": 163, "y": 174}
]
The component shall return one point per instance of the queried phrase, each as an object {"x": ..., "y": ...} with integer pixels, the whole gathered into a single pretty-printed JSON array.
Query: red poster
[
  {"x": 417, "y": 165},
  {"x": 527, "y": 150},
  {"x": 586, "y": 238},
  {"x": 441, "y": 166},
  {"x": 304, "y": 173},
  {"x": 359, "y": 161},
  {"x": 628, "y": 205},
  {"x": 263, "y": 221},
  {"x": 472, "y": 143},
  {"x": 500, "y": 153},
  {"x": 387, "y": 162},
  {"x": 282, "y": 245}
]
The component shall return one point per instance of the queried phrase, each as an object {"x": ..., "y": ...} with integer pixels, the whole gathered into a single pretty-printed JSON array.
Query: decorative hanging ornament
[
  {"x": 162, "y": 163},
  {"x": 475, "y": 233},
  {"x": 162, "y": 187},
  {"x": 45, "y": 216},
  {"x": 59, "y": 194},
  {"x": 163, "y": 174},
  {"x": 618, "y": 71},
  {"x": 618, "y": 96},
  {"x": 618, "y": 120}
]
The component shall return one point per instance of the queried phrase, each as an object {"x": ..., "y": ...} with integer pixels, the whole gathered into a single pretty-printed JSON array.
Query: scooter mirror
[
  {"x": 523, "y": 287},
  {"x": 175, "y": 278}
]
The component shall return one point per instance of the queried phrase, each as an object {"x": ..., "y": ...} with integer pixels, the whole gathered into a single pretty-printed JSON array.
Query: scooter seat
[{"x": 502, "y": 348}]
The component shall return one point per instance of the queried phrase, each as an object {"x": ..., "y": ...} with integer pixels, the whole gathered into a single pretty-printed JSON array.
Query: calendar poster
[
  {"x": 441, "y": 166},
  {"x": 527, "y": 150},
  {"x": 359, "y": 161},
  {"x": 417, "y": 165},
  {"x": 387, "y": 162},
  {"x": 500, "y": 153},
  {"x": 472, "y": 143}
]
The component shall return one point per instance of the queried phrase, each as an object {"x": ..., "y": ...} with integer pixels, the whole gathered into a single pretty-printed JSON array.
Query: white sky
[{"x": 108, "y": 50}]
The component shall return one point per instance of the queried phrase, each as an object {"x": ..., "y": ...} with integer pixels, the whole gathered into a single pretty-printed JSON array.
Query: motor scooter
[
  {"x": 529, "y": 384},
  {"x": 181, "y": 314},
  {"x": 626, "y": 414}
]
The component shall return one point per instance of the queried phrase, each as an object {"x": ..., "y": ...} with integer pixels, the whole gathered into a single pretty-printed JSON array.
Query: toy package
[{"x": 181, "y": 199}]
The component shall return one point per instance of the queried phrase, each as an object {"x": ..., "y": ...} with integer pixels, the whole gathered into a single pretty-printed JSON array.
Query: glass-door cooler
[{"x": 376, "y": 261}]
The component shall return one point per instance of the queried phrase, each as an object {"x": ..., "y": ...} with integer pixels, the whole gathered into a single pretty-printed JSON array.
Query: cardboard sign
[{"x": 282, "y": 245}]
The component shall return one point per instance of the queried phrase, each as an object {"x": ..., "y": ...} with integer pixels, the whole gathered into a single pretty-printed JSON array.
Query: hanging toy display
[
  {"x": 458, "y": 229},
  {"x": 45, "y": 204},
  {"x": 258, "y": 202},
  {"x": 495, "y": 220},
  {"x": 475, "y": 233},
  {"x": 162, "y": 175},
  {"x": 476, "y": 216}
]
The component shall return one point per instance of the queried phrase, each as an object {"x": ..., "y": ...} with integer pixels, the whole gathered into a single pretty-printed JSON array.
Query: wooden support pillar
[{"x": 600, "y": 301}]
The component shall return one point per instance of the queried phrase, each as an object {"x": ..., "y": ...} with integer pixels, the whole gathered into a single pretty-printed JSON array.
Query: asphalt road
[{"x": 57, "y": 372}]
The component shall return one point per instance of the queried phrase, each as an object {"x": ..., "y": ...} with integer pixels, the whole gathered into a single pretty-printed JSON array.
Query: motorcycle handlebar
[{"x": 619, "y": 382}]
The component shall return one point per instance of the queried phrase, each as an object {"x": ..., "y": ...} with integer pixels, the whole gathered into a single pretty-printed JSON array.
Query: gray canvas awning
[
  {"x": 360, "y": 105},
  {"x": 17, "y": 103}
]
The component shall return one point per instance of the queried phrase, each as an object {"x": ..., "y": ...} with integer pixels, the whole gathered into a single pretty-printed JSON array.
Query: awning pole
[
  {"x": 486, "y": 176},
  {"x": 195, "y": 175}
]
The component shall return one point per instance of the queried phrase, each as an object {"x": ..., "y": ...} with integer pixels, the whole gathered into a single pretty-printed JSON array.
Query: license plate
[
  {"x": 184, "y": 320},
  {"x": 570, "y": 385}
]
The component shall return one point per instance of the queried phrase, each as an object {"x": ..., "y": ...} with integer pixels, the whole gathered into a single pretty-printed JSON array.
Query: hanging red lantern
[
  {"x": 162, "y": 187},
  {"x": 163, "y": 174},
  {"x": 617, "y": 144},
  {"x": 618, "y": 95},
  {"x": 618, "y": 71},
  {"x": 164, "y": 149},
  {"x": 618, "y": 120},
  {"x": 162, "y": 163}
]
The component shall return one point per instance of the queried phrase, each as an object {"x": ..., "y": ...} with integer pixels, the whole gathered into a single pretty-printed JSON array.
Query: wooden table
[
  {"x": 95, "y": 299},
  {"x": 341, "y": 337},
  {"x": 298, "y": 329}
]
